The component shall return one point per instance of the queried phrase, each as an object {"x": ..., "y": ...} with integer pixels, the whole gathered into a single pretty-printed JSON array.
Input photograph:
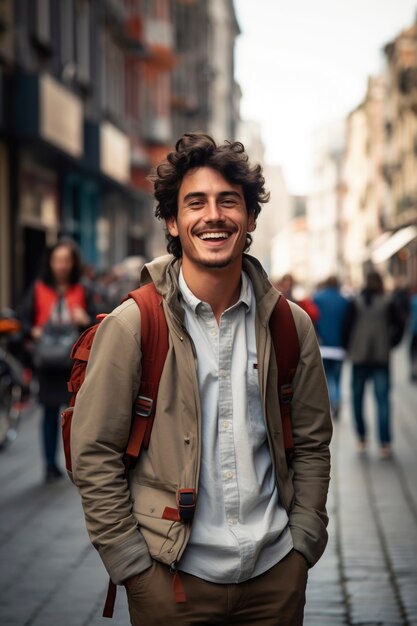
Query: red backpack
[{"x": 154, "y": 345}]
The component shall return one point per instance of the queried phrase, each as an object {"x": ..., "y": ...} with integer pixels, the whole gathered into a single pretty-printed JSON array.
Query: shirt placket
[
  {"x": 237, "y": 317},
  {"x": 225, "y": 424}
]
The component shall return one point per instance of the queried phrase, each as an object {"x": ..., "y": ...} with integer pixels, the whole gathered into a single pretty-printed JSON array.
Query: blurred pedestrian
[
  {"x": 56, "y": 309},
  {"x": 286, "y": 286},
  {"x": 332, "y": 308},
  {"x": 254, "y": 524},
  {"x": 401, "y": 297},
  {"x": 374, "y": 325},
  {"x": 297, "y": 293},
  {"x": 124, "y": 277},
  {"x": 97, "y": 286},
  {"x": 413, "y": 340}
]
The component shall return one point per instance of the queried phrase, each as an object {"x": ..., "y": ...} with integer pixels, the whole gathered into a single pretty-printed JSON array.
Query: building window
[
  {"x": 42, "y": 22},
  {"x": 6, "y": 30},
  {"x": 82, "y": 41},
  {"x": 113, "y": 78},
  {"x": 66, "y": 23}
]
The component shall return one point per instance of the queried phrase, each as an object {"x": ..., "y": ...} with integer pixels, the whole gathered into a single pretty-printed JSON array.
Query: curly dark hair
[{"x": 198, "y": 149}]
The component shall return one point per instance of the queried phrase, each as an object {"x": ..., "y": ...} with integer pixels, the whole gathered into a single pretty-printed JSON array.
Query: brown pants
[{"x": 275, "y": 598}]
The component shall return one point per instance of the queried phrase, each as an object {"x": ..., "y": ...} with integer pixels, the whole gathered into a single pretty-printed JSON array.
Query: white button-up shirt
[{"x": 239, "y": 529}]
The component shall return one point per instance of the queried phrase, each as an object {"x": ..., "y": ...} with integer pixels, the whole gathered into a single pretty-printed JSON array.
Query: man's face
[{"x": 212, "y": 220}]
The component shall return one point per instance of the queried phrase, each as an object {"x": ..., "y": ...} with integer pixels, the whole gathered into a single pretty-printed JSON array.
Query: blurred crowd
[{"x": 362, "y": 328}]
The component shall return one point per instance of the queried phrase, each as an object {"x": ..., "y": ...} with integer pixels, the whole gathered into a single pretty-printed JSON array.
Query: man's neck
[{"x": 220, "y": 288}]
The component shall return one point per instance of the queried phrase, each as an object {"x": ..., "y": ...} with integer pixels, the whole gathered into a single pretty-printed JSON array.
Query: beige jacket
[{"x": 124, "y": 518}]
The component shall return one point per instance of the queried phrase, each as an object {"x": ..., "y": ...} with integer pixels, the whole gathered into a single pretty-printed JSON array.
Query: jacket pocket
[{"x": 148, "y": 507}]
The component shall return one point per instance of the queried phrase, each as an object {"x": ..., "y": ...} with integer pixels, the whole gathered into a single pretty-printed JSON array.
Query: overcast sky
[{"x": 302, "y": 63}]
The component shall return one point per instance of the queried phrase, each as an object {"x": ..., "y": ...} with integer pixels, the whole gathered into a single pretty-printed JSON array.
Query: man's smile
[{"x": 214, "y": 235}]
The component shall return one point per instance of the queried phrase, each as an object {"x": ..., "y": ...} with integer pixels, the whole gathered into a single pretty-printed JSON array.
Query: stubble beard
[
  {"x": 220, "y": 263},
  {"x": 217, "y": 265}
]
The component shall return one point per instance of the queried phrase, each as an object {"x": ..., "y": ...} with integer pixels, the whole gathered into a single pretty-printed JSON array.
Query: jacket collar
[{"x": 164, "y": 273}]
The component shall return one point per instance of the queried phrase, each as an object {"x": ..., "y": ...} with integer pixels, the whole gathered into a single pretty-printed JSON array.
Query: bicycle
[{"x": 15, "y": 380}]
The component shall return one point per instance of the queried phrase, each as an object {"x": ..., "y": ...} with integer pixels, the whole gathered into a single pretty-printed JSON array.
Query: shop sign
[
  {"x": 61, "y": 117},
  {"x": 114, "y": 153}
]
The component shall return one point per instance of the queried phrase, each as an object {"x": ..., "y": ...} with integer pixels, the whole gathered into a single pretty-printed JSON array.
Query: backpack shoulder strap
[
  {"x": 154, "y": 347},
  {"x": 287, "y": 354}
]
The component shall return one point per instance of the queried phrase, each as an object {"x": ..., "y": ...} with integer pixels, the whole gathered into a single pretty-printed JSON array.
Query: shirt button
[
  {"x": 229, "y": 474},
  {"x": 225, "y": 425},
  {"x": 231, "y": 522}
]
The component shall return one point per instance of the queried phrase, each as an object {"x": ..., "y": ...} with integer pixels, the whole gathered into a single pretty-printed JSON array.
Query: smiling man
[
  {"x": 259, "y": 520},
  {"x": 212, "y": 223}
]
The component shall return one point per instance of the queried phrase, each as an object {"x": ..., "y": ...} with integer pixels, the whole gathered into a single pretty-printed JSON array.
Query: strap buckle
[
  {"x": 144, "y": 406},
  {"x": 286, "y": 394},
  {"x": 186, "y": 501}
]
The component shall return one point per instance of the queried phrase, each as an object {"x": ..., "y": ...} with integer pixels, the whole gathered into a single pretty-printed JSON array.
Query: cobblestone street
[{"x": 50, "y": 575}]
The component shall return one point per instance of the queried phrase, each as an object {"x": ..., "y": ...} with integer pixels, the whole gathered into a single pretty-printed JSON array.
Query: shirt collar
[{"x": 194, "y": 303}]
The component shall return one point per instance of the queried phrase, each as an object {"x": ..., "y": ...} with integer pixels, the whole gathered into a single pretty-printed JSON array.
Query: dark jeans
[
  {"x": 379, "y": 374},
  {"x": 50, "y": 428},
  {"x": 333, "y": 371}
]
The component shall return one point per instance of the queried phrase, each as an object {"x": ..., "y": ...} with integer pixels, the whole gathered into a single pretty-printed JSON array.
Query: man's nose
[{"x": 214, "y": 212}]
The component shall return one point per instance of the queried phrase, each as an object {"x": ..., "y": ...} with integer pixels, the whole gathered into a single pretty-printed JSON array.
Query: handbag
[{"x": 52, "y": 351}]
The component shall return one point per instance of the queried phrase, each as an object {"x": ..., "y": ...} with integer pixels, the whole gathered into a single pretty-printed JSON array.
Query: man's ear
[
  {"x": 251, "y": 223},
  {"x": 171, "y": 224}
]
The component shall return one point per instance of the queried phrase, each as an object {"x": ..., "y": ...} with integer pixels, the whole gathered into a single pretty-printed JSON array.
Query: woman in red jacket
[{"x": 57, "y": 298}]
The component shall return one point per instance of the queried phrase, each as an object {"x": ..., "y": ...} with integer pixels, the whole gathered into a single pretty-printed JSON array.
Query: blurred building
[
  {"x": 364, "y": 192},
  {"x": 67, "y": 128},
  {"x": 362, "y": 209},
  {"x": 192, "y": 74},
  {"x": 275, "y": 215},
  {"x": 93, "y": 93},
  {"x": 290, "y": 249},
  {"x": 223, "y": 92},
  {"x": 249, "y": 133},
  {"x": 204, "y": 93},
  {"x": 400, "y": 168},
  {"x": 324, "y": 203},
  {"x": 7, "y": 35}
]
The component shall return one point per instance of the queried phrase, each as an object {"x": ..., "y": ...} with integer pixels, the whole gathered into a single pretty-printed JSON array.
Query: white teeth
[{"x": 214, "y": 236}]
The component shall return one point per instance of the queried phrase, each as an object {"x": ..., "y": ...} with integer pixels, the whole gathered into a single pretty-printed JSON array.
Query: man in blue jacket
[{"x": 333, "y": 308}]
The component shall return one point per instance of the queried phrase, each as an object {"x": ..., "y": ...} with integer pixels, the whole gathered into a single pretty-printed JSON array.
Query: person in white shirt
[{"x": 260, "y": 519}]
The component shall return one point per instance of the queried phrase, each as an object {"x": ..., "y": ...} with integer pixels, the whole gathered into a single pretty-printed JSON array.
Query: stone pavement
[
  {"x": 50, "y": 575},
  {"x": 368, "y": 574}
]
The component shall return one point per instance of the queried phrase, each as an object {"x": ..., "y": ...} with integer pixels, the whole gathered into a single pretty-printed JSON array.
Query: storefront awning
[{"x": 393, "y": 244}]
